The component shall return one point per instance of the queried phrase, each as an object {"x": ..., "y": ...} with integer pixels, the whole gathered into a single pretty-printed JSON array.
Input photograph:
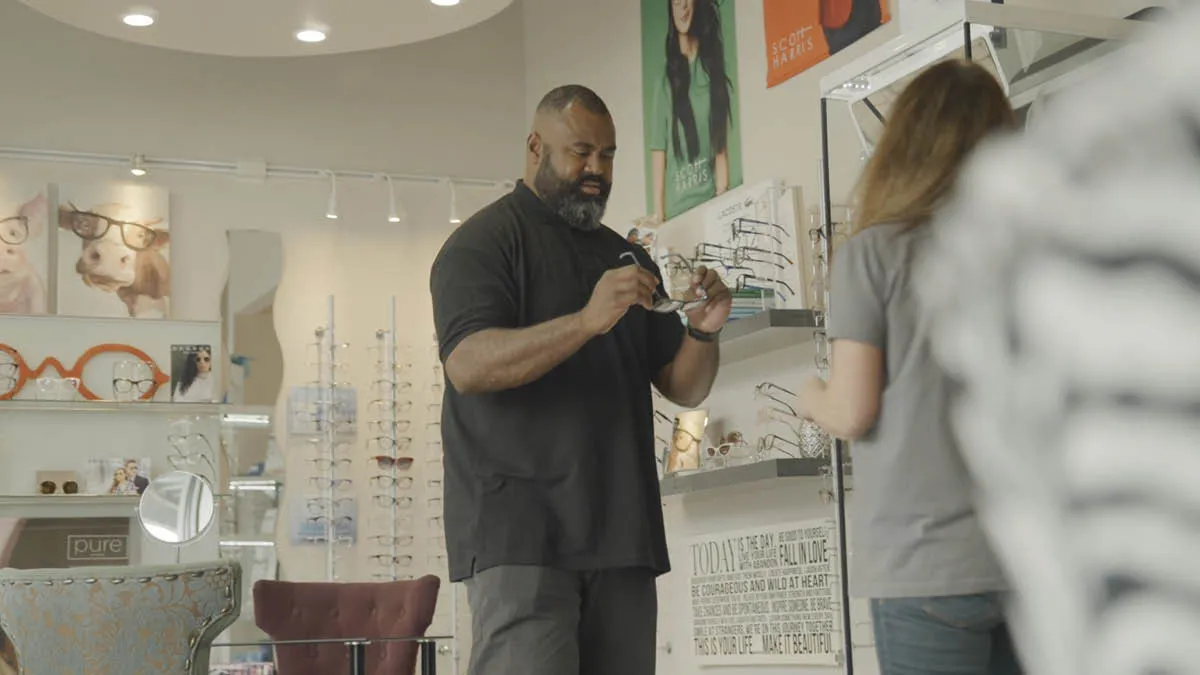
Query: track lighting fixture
[
  {"x": 137, "y": 166},
  {"x": 393, "y": 212},
  {"x": 454, "y": 219},
  {"x": 331, "y": 209}
]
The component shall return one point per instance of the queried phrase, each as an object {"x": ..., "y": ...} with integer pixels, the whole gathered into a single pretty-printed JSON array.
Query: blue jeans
[{"x": 951, "y": 635}]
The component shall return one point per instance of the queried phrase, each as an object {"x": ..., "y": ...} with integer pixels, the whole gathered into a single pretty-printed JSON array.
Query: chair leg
[
  {"x": 358, "y": 657},
  {"x": 428, "y": 657}
]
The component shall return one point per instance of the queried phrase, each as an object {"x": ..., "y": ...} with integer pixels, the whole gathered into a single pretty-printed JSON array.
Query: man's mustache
[{"x": 604, "y": 186}]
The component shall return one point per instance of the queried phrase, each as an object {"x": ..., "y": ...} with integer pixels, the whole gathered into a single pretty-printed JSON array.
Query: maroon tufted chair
[{"x": 287, "y": 610}]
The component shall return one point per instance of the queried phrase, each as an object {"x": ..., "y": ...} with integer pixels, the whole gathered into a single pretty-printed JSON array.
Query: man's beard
[{"x": 567, "y": 199}]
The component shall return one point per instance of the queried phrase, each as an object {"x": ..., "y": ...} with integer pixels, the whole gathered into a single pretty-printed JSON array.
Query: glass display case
[{"x": 253, "y": 481}]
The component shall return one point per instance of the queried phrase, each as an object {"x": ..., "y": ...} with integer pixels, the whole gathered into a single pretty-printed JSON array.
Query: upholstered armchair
[
  {"x": 333, "y": 611},
  {"x": 118, "y": 620}
]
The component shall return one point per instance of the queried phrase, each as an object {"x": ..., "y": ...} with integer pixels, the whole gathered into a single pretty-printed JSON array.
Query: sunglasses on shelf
[
  {"x": 386, "y": 462},
  {"x": 49, "y": 487}
]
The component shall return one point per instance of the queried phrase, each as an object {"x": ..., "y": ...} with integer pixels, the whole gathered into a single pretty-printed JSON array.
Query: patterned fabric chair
[
  {"x": 310, "y": 611},
  {"x": 118, "y": 620}
]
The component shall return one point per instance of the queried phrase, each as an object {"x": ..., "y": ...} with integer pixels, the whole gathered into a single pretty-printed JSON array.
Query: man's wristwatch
[{"x": 701, "y": 336}]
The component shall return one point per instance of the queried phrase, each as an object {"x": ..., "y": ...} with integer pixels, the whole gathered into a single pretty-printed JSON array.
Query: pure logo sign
[{"x": 97, "y": 547}]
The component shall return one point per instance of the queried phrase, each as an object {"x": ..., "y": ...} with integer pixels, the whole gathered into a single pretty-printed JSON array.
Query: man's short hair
[{"x": 559, "y": 98}]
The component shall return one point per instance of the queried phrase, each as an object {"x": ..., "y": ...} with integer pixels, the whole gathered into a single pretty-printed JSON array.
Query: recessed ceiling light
[
  {"x": 310, "y": 35},
  {"x": 138, "y": 19},
  {"x": 444, "y": 3}
]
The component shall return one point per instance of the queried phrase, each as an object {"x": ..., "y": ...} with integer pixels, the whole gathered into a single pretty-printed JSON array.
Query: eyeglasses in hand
[{"x": 661, "y": 303}]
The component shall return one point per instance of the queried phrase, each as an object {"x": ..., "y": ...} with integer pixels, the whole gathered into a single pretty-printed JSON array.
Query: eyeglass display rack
[
  {"x": 1032, "y": 52},
  {"x": 391, "y": 420},
  {"x": 329, "y": 414},
  {"x": 393, "y": 437}
]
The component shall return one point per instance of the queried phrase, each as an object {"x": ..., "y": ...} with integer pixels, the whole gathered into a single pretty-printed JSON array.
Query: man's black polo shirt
[{"x": 560, "y": 472}]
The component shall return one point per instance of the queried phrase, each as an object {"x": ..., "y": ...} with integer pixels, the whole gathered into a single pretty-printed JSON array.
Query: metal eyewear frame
[
  {"x": 746, "y": 282},
  {"x": 774, "y": 393},
  {"x": 386, "y": 501},
  {"x": 661, "y": 303},
  {"x": 337, "y": 521},
  {"x": 388, "y": 443},
  {"x": 385, "y": 427},
  {"x": 401, "y": 540},
  {"x": 320, "y": 505},
  {"x": 334, "y": 483},
  {"x": 772, "y": 442},
  {"x": 386, "y": 560},
  {"x": 400, "y": 482},
  {"x": 751, "y": 227},
  {"x": 327, "y": 463}
]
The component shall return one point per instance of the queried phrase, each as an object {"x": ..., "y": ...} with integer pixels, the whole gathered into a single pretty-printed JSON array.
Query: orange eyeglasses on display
[{"x": 15, "y": 373}]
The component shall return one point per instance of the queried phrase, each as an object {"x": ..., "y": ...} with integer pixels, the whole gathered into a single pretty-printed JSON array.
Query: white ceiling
[{"x": 268, "y": 27}]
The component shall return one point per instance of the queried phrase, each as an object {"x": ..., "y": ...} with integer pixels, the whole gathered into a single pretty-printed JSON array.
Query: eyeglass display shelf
[
  {"x": 145, "y": 407},
  {"x": 767, "y": 331},
  {"x": 699, "y": 481},
  {"x": 67, "y": 506}
]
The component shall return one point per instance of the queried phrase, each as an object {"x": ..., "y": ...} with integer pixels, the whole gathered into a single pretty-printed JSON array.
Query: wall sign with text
[
  {"x": 802, "y": 33},
  {"x": 765, "y": 596}
]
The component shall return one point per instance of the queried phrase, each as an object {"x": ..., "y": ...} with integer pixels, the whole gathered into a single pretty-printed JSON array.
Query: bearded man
[{"x": 552, "y": 330}]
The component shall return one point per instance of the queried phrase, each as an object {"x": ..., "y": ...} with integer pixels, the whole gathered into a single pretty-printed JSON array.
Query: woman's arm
[
  {"x": 846, "y": 406},
  {"x": 658, "y": 169},
  {"x": 721, "y": 171}
]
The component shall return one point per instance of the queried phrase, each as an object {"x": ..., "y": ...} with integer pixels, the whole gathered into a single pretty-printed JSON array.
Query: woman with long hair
[
  {"x": 121, "y": 485},
  {"x": 195, "y": 385},
  {"x": 918, "y": 550},
  {"x": 692, "y": 112}
]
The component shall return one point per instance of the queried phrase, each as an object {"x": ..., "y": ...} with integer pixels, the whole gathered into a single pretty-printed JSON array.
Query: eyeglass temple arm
[
  {"x": 771, "y": 386},
  {"x": 741, "y": 282},
  {"x": 767, "y": 223},
  {"x": 756, "y": 249}
]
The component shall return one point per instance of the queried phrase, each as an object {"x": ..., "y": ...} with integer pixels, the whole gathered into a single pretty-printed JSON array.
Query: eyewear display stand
[
  {"x": 329, "y": 415},
  {"x": 395, "y": 393},
  {"x": 1032, "y": 52}
]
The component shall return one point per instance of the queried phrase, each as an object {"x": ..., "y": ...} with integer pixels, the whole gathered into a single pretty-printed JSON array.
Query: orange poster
[{"x": 803, "y": 33}]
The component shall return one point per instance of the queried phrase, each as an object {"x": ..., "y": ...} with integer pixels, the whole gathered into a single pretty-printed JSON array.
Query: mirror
[
  {"x": 253, "y": 357},
  {"x": 177, "y": 508}
]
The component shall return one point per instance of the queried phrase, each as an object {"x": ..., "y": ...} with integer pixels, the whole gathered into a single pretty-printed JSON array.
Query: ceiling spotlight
[
  {"x": 139, "y": 19},
  {"x": 393, "y": 213},
  {"x": 137, "y": 166},
  {"x": 454, "y": 219},
  {"x": 444, "y": 3},
  {"x": 331, "y": 210},
  {"x": 311, "y": 35}
]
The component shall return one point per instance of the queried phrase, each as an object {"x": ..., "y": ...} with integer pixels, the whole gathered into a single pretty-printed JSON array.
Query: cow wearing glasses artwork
[
  {"x": 22, "y": 284},
  {"x": 120, "y": 254}
]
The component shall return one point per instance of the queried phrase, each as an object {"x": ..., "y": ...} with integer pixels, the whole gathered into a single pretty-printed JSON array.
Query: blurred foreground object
[{"x": 1064, "y": 286}]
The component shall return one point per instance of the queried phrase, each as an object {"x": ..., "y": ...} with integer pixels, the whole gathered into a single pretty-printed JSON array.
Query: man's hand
[
  {"x": 617, "y": 291},
  {"x": 712, "y": 315}
]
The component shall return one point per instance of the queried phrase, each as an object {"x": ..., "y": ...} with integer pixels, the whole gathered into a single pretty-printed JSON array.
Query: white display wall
[{"x": 361, "y": 259}]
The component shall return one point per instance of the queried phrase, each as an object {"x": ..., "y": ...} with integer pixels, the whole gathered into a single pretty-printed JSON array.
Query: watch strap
[{"x": 702, "y": 336}]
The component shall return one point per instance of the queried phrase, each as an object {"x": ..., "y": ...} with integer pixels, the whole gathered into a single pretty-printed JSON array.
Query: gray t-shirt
[{"x": 914, "y": 531}]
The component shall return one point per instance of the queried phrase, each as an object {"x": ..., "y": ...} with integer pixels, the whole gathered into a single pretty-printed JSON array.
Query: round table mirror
[{"x": 177, "y": 508}]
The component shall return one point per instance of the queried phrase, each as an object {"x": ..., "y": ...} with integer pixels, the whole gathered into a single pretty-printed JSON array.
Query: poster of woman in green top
[{"x": 689, "y": 94}]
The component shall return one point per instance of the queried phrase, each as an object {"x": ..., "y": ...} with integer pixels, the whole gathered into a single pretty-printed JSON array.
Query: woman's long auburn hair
[{"x": 939, "y": 118}]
